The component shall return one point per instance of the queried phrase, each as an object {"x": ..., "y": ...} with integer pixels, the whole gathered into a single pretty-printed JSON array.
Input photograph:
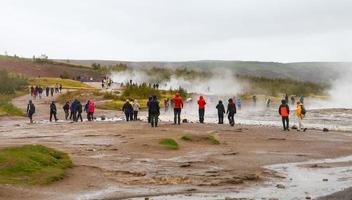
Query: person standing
[
  {"x": 47, "y": 90},
  {"x": 52, "y": 91},
  {"x": 166, "y": 104},
  {"x": 231, "y": 111},
  {"x": 154, "y": 111},
  {"x": 127, "y": 109},
  {"x": 286, "y": 98},
  {"x": 66, "y": 108},
  {"x": 284, "y": 111},
  {"x": 300, "y": 113},
  {"x": 53, "y": 111},
  {"x": 32, "y": 90},
  {"x": 178, "y": 105},
  {"x": 201, "y": 110},
  {"x": 221, "y": 111},
  {"x": 148, "y": 105},
  {"x": 60, "y": 88},
  {"x": 30, "y": 111},
  {"x": 239, "y": 103},
  {"x": 293, "y": 100},
  {"x": 40, "y": 91},
  {"x": 135, "y": 109},
  {"x": 254, "y": 100},
  {"x": 91, "y": 109},
  {"x": 79, "y": 111}
]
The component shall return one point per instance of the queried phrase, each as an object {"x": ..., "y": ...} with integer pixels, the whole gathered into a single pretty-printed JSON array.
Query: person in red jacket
[
  {"x": 201, "y": 105},
  {"x": 178, "y": 105},
  {"x": 284, "y": 111}
]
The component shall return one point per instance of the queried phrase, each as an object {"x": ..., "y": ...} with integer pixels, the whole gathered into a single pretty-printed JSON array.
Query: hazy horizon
[{"x": 282, "y": 31}]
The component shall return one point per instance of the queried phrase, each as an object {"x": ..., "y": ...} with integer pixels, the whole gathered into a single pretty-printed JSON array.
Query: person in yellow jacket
[{"x": 300, "y": 113}]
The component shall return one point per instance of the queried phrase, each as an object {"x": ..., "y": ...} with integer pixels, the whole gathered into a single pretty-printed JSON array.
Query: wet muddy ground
[{"x": 121, "y": 160}]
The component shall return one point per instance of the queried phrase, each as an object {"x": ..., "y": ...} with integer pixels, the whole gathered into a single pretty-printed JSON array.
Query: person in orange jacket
[
  {"x": 201, "y": 105},
  {"x": 178, "y": 105},
  {"x": 284, "y": 111}
]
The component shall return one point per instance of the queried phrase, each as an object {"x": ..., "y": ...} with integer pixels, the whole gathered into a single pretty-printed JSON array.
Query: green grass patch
[
  {"x": 32, "y": 164},
  {"x": 7, "y": 108},
  {"x": 66, "y": 83},
  {"x": 169, "y": 143},
  {"x": 213, "y": 140},
  {"x": 187, "y": 137}
]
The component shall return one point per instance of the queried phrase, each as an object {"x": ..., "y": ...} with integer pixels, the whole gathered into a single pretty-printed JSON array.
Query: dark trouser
[
  {"x": 79, "y": 116},
  {"x": 149, "y": 117},
  {"x": 74, "y": 116},
  {"x": 131, "y": 116},
  {"x": 177, "y": 115},
  {"x": 30, "y": 116},
  {"x": 221, "y": 118},
  {"x": 66, "y": 114},
  {"x": 71, "y": 114},
  {"x": 51, "y": 116},
  {"x": 135, "y": 115},
  {"x": 154, "y": 120},
  {"x": 90, "y": 116},
  {"x": 127, "y": 114},
  {"x": 47, "y": 94},
  {"x": 285, "y": 123},
  {"x": 201, "y": 115},
  {"x": 231, "y": 117}
]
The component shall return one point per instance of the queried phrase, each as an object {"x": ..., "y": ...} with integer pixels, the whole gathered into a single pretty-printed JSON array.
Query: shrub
[
  {"x": 170, "y": 143},
  {"x": 11, "y": 83},
  {"x": 32, "y": 164},
  {"x": 187, "y": 137},
  {"x": 140, "y": 92},
  {"x": 213, "y": 140}
]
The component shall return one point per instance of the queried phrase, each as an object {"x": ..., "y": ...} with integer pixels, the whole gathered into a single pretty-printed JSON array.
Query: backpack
[{"x": 304, "y": 111}]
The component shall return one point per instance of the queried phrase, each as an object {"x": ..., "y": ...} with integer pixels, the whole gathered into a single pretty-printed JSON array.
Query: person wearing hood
[
  {"x": 231, "y": 111},
  {"x": 53, "y": 111},
  {"x": 201, "y": 110},
  {"x": 136, "y": 108},
  {"x": 148, "y": 105},
  {"x": 90, "y": 108},
  {"x": 178, "y": 105},
  {"x": 127, "y": 109},
  {"x": 74, "y": 109},
  {"x": 30, "y": 111},
  {"x": 300, "y": 113},
  {"x": 221, "y": 111},
  {"x": 239, "y": 103},
  {"x": 154, "y": 111},
  {"x": 79, "y": 111},
  {"x": 284, "y": 111},
  {"x": 66, "y": 108}
]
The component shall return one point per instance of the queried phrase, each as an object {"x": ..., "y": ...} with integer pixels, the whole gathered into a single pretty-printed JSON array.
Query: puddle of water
[{"x": 299, "y": 183}]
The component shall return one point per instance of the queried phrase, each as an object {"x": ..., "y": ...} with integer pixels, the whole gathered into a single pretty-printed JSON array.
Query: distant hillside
[
  {"x": 309, "y": 71},
  {"x": 29, "y": 68}
]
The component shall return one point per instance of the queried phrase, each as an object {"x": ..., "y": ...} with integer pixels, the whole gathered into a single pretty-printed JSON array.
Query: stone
[
  {"x": 294, "y": 127},
  {"x": 325, "y": 179},
  {"x": 103, "y": 118},
  {"x": 184, "y": 121},
  {"x": 325, "y": 130},
  {"x": 280, "y": 186}
]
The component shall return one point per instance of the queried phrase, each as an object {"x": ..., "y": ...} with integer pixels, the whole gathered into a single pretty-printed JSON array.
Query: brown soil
[{"x": 121, "y": 160}]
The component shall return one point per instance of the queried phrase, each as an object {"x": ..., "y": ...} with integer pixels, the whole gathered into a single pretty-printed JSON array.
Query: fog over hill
[{"x": 305, "y": 71}]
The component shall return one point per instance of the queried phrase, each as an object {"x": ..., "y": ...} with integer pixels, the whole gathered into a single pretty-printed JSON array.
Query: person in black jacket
[
  {"x": 231, "y": 111},
  {"x": 30, "y": 111},
  {"x": 79, "y": 111},
  {"x": 221, "y": 111},
  {"x": 47, "y": 90},
  {"x": 127, "y": 109},
  {"x": 66, "y": 108},
  {"x": 53, "y": 111},
  {"x": 154, "y": 111},
  {"x": 148, "y": 105}
]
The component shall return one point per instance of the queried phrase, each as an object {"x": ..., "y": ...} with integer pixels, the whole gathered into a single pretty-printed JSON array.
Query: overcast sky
[{"x": 176, "y": 30}]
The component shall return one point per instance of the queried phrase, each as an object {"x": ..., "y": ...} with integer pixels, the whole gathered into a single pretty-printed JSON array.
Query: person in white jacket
[{"x": 136, "y": 108}]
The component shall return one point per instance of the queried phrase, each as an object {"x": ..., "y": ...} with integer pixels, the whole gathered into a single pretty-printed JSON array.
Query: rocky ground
[{"x": 117, "y": 160}]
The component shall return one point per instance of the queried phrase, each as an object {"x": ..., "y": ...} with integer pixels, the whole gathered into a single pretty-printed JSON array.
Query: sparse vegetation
[
  {"x": 170, "y": 143},
  {"x": 32, "y": 164},
  {"x": 213, "y": 140},
  {"x": 187, "y": 137}
]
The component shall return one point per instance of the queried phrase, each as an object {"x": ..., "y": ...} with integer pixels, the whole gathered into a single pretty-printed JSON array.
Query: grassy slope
[
  {"x": 32, "y": 164},
  {"x": 66, "y": 83}
]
